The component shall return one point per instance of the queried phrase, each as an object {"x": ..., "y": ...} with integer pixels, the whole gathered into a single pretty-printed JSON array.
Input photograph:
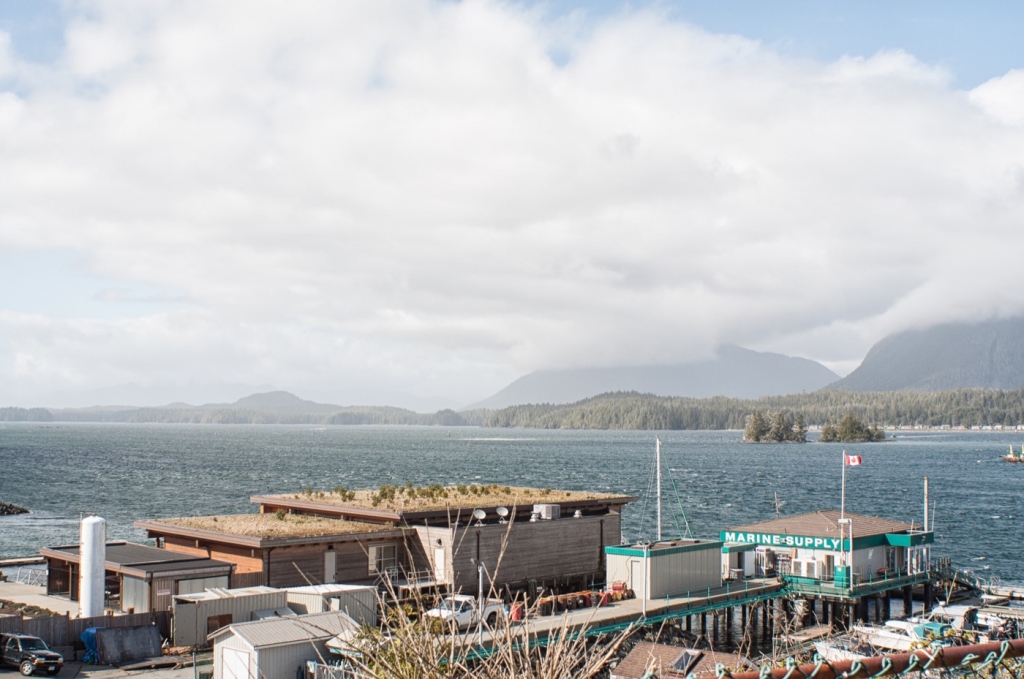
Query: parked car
[{"x": 29, "y": 654}]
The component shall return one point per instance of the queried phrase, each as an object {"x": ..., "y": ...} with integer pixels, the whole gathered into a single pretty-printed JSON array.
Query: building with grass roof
[{"x": 518, "y": 539}]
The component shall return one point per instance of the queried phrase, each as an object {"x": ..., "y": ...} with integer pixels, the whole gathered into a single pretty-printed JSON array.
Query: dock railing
[{"x": 863, "y": 584}]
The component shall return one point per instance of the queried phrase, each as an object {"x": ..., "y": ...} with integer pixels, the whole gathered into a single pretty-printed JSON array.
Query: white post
[
  {"x": 646, "y": 588},
  {"x": 480, "y": 603},
  {"x": 851, "y": 551},
  {"x": 847, "y": 556},
  {"x": 926, "y": 504},
  {"x": 658, "y": 462}
]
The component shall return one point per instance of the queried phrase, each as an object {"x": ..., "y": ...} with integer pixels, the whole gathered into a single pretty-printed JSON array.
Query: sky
[{"x": 414, "y": 203}]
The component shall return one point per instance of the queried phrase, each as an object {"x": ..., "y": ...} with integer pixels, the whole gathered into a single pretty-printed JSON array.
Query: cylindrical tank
[{"x": 93, "y": 551}]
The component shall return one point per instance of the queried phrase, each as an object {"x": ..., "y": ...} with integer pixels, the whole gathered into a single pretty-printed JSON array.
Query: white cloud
[
  {"x": 414, "y": 197},
  {"x": 1002, "y": 98}
]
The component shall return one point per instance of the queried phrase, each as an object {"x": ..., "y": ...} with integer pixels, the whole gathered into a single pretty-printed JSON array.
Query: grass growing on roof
[
  {"x": 435, "y": 496},
  {"x": 279, "y": 525}
]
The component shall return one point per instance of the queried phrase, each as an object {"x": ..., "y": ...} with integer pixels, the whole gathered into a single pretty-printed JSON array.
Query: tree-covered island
[{"x": 775, "y": 428}]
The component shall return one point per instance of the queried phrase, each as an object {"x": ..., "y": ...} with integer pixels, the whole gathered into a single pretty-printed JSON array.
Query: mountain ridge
[
  {"x": 735, "y": 372},
  {"x": 985, "y": 355}
]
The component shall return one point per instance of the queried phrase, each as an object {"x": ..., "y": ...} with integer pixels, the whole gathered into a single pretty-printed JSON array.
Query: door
[
  {"x": 439, "y": 565},
  {"x": 636, "y": 579},
  {"x": 235, "y": 664},
  {"x": 330, "y": 566}
]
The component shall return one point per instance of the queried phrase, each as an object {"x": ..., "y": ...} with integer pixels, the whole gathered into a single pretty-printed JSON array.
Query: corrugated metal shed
[
  {"x": 261, "y": 634},
  {"x": 275, "y": 648},
  {"x": 359, "y": 601},
  {"x": 198, "y": 615}
]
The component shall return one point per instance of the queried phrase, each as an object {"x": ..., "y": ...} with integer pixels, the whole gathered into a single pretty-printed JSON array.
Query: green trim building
[
  {"x": 669, "y": 568},
  {"x": 814, "y": 554}
]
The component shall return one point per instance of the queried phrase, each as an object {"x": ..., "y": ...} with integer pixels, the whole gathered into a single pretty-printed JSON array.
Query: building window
[{"x": 383, "y": 559}]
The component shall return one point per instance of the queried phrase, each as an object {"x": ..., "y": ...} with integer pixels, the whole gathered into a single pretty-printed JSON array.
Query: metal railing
[{"x": 26, "y": 575}]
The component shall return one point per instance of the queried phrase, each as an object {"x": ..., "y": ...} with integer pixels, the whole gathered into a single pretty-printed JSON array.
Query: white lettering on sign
[{"x": 774, "y": 540}]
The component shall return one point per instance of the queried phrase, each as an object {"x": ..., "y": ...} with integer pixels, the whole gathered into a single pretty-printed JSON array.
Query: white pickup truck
[{"x": 461, "y": 611}]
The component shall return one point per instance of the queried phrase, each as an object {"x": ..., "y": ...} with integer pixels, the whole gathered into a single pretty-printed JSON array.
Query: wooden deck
[{"x": 624, "y": 614}]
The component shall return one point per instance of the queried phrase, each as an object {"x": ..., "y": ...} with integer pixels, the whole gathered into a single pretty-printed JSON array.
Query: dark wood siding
[
  {"x": 304, "y": 564},
  {"x": 545, "y": 550}
]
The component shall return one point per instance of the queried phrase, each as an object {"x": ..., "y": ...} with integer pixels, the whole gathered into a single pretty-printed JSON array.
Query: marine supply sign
[{"x": 777, "y": 540}]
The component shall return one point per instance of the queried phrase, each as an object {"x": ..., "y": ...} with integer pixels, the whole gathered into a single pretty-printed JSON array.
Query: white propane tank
[{"x": 93, "y": 550}]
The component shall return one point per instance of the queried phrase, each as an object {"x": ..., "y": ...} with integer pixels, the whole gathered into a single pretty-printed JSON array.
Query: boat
[
  {"x": 904, "y": 635},
  {"x": 970, "y": 620},
  {"x": 844, "y": 647},
  {"x": 1010, "y": 457}
]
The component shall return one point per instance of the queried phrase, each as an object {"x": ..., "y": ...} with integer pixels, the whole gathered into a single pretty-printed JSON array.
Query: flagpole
[{"x": 842, "y": 500}]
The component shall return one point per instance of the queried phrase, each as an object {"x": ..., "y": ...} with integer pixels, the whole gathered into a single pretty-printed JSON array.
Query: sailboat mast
[{"x": 658, "y": 463}]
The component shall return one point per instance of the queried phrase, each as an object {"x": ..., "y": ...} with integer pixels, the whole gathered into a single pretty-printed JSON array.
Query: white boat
[
  {"x": 903, "y": 635},
  {"x": 844, "y": 647}
]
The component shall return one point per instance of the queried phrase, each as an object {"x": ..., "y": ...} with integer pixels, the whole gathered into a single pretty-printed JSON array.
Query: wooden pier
[{"x": 634, "y": 612}]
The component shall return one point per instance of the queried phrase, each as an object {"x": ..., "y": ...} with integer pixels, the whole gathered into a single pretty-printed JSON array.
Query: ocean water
[{"x": 129, "y": 472}]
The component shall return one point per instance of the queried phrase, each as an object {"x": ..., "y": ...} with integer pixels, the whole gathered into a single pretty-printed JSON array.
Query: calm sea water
[{"x": 130, "y": 472}]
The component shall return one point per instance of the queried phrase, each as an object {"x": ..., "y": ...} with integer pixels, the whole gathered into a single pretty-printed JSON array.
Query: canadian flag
[{"x": 853, "y": 460}]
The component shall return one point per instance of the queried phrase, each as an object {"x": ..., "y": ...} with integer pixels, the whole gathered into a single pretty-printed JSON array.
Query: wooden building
[
  {"x": 441, "y": 541},
  {"x": 139, "y": 579},
  {"x": 285, "y": 550}
]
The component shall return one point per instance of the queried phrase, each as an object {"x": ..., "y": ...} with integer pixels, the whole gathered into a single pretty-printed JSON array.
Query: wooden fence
[{"x": 63, "y": 630}]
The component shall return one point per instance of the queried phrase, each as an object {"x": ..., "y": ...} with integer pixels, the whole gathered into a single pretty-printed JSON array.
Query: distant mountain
[
  {"x": 734, "y": 372},
  {"x": 275, "y": 407},
  {"x": 952, "y": 356},
  {"x": 277, "y": 402}
]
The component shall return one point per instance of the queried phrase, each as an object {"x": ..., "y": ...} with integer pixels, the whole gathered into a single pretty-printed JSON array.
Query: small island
[
  {"x": 851, "y": 430},
  {"x": 775, "y": 428}
]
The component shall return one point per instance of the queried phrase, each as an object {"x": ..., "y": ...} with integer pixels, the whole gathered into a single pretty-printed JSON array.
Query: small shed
[
  {"x": 359, "y": 601},
  {"x": 278, "y": 647},
  {"x": 142, "y": 578},
  {"x": 667, "y": 568},
  {"x": 196, "y": 616}
]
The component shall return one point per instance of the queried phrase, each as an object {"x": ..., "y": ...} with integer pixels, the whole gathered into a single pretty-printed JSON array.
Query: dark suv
[{"x": 29, "y": 654}]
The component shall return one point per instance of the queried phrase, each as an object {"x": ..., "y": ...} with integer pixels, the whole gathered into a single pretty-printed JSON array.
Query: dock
[{"x": 629, "y": 613}]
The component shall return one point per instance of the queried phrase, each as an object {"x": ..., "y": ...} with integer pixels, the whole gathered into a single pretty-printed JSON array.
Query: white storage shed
[
  {"x": 668, "y": 568},
  {"x": 359, "y": 601},
  {"x": 277, "y": 647}
]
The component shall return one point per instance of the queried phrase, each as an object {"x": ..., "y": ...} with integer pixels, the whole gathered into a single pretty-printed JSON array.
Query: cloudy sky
[{"x": 416, "y": 202}]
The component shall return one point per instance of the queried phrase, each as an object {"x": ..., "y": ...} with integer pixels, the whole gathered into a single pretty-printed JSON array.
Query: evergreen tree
[{"x": 757, "y": 427}]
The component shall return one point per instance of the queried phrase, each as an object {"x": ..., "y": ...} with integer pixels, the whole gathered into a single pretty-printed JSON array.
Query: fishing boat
[{"x": 1010, "y": 457}]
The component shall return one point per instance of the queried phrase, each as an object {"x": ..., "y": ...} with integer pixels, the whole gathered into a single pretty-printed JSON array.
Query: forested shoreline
[
  {"x": 624, "y": 410},
  {"x": 955, "y": 408}
]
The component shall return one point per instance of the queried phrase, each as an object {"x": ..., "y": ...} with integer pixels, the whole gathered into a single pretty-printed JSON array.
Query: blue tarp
[{"x": 89, "y": 639}]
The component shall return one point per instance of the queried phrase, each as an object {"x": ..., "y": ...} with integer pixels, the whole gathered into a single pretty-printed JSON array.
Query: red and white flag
[{"x": 853, "y": 460}]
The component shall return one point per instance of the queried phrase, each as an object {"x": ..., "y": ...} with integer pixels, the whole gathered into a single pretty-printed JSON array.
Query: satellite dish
[
  {"x": 479, "y": 515},
  {"x": 502, "y": 513}
]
